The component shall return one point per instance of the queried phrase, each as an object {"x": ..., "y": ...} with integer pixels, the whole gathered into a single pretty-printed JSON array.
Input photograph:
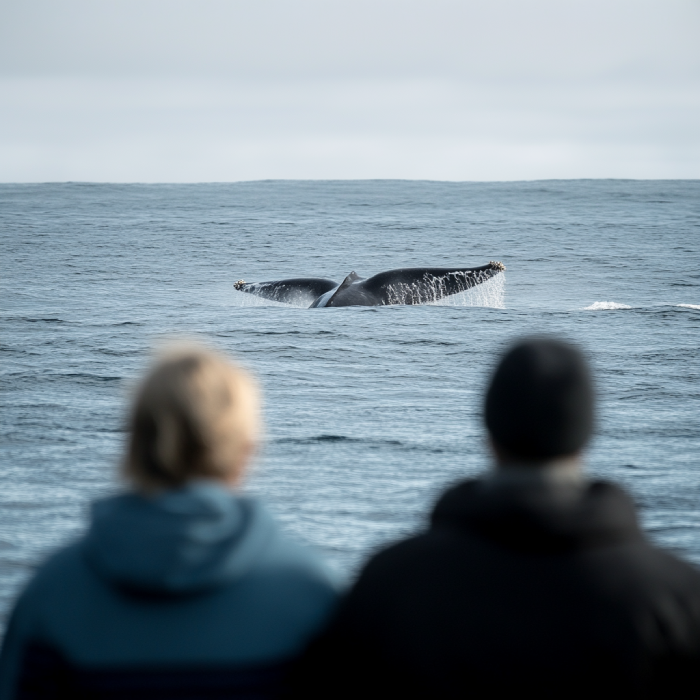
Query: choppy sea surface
[{"x": 370, "y": 412}]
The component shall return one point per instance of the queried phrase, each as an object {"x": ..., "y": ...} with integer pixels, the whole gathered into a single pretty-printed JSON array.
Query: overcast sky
[{"x": 222, "y": 90}]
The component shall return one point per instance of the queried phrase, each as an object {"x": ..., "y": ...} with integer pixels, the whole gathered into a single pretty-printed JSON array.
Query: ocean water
[{"x": 370, "y": 412}]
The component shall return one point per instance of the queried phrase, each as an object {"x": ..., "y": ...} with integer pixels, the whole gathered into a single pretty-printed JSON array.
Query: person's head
[
  {"x": 540, "y": 402},
  {"x": 195, "y": 415}
]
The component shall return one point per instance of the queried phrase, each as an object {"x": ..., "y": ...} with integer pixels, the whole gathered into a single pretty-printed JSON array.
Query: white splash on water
[
  {"x": 606, "y": 306},
  {"x": 491, "y": 293},
  {"x": 690, "y": 306}
]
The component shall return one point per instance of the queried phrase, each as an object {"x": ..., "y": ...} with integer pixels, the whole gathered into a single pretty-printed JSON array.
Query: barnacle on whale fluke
[
  {"x": 239, "y": 284},
  {"x": 496, "y": 265}
]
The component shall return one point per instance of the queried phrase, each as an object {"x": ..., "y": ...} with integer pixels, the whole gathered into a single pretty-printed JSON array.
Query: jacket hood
[
  {"x": 197, "y": 537},
  {"x": 539, "y": 516}
]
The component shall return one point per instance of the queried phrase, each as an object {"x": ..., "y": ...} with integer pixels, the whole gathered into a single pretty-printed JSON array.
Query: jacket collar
[
  {"x": 548, "y": 512},
  {"x": 561, "y": 472}
]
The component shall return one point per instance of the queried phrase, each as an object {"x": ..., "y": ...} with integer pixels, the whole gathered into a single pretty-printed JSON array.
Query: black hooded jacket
[{"x": 530, "y": 590}]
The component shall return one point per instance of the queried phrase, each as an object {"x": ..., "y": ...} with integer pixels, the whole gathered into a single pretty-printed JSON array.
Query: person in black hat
[{"x": 532, "y": 581}]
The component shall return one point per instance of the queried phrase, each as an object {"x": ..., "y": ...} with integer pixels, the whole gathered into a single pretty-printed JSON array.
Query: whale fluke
[
  {"x": 422, "y": 285},
  {"x": 408, "y": 285},
  {"x": 298, "y": 290}
]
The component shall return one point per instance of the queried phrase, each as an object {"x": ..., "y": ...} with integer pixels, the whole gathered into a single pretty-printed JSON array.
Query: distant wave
[
  {"x": 606, "y": 306},
  {"x": 613, "y": 305},
  {"x": 325, "y": 438},
  {"x": 27, "y": 319},
  {"x": 371, "y": 443}
]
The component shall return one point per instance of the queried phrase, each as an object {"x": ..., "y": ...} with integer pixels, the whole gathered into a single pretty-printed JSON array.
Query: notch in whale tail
[{"x": 342, "y": 287}]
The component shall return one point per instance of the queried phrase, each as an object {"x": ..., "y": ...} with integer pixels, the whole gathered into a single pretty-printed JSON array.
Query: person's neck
[{"x": 564, "y": 470}]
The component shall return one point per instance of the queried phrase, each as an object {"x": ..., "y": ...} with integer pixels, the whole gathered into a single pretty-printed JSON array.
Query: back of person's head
[
  {"x": 540, "y": 403},
  {"x": 195, "y": 415}
]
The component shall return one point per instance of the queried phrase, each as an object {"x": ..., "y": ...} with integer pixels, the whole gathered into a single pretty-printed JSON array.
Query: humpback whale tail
[{"x": 410, "y": 285}]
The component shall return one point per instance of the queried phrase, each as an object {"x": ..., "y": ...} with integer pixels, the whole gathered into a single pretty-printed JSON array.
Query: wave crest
[{"x": 606, "y": 306}]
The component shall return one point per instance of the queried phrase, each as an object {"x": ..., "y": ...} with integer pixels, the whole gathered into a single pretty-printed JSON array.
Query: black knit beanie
[{"x": 540, "y": 402}]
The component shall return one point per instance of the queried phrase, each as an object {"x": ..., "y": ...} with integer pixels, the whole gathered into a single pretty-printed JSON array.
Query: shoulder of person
[
  {"x": 62, "y": 568},
  {"x": 61, "y": 572},
  {"x": 398, "y": 565},
  {"x": 286, "y": 556},
  {"x": 665, "y": 570}
]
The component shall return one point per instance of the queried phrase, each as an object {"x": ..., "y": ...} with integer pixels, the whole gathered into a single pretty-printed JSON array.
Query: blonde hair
[{"x": 196, "y": 414}]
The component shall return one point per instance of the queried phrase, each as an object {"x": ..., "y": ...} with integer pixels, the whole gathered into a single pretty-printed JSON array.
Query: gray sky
[{"x": 187, "y": 91}]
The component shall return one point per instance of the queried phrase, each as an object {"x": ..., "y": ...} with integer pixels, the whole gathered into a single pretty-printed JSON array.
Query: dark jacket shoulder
[{"x": 534, "y": 587}]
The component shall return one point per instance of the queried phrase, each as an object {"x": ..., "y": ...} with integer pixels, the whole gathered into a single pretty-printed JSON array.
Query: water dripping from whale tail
[
  {"x": 430, "y": 285},
  {"x": 490, "y": 294}
]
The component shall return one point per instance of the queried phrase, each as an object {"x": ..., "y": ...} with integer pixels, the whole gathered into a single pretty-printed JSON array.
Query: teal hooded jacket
[{"x": 192, "y": 593}]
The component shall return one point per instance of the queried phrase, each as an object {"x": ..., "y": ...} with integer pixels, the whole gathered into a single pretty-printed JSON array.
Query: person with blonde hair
[{"x": 181, "y": 588}]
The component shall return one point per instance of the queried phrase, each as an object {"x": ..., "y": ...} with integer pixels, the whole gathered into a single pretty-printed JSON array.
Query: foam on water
[
  {"x": 606, "y": 306},
  {"x": 690, "y": 306}
]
